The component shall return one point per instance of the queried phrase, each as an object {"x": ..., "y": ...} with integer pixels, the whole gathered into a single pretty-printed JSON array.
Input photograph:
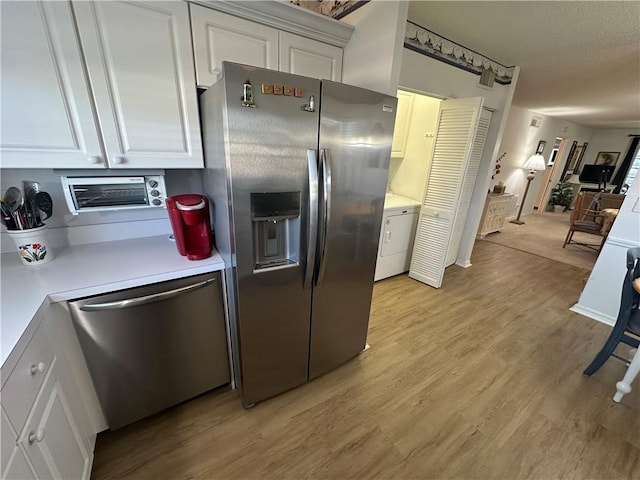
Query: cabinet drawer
[{"x": 24, "y": 382}]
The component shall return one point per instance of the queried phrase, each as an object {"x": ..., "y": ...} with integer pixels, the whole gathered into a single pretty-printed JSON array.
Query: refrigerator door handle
[
  {"x": 325, "y": 162},
  {"x": 312, "y": 231}
]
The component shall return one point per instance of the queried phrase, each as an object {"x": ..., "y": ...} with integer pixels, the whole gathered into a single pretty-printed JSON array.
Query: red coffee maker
[{"x": 189, "y": 216}]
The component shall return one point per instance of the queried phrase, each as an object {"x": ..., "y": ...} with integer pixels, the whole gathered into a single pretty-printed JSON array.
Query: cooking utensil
[
  {"x": 30, "y": 189},
  {"x": 7, "y": 218},
  {"x": 44, "y": 203},
  {"x": 14, "y": 199}
]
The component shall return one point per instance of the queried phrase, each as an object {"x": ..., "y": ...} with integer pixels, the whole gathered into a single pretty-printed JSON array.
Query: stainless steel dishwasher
[{"x": 151, "y": 347}]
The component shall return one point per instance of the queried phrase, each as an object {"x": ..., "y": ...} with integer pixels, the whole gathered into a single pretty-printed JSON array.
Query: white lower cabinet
[
  {"x": 46, "y": 429},
  {"x": 14, "y": 460},
  {"x": 52, "y": 437},
  {"x": 495, "y": 213}
]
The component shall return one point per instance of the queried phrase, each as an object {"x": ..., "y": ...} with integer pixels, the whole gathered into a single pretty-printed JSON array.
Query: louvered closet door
[
  {"x": 468, "y": 183},
  {"x": 452, "y": 148}
]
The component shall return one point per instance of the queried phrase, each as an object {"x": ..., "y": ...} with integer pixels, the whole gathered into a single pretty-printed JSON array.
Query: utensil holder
[{"x": 33, "y": 246}]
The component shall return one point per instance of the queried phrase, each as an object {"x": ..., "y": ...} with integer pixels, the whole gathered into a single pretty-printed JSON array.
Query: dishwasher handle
[{"x": 156, "y": 297}]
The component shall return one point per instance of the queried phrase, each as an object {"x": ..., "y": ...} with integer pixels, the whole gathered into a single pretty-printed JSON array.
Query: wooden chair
[
  {"x": 627, "y": 326},
  {"x": 586, "y": 216}
]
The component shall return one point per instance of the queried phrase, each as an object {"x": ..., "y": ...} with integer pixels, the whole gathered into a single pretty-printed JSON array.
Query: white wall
[
  {"x": 600, "y": 298},
  {"x": 408, "y": 175},
  {"x": 520, "y": 141},
  {"x": 609, "y": 140},
  {"x": 372, "y": 57},
  {"x": 428, "y": 75},
  {"x": 425, "y": 74},
  {"x": 68, "y": 229}
]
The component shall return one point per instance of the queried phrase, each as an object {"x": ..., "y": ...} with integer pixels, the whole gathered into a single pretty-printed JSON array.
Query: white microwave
[{"x": 109, "y": 193}]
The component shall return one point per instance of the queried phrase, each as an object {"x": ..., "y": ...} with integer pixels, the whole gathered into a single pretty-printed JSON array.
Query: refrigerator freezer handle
[
  {"x": 312, "y": 231},
  {"x": 325, "y": 162}
]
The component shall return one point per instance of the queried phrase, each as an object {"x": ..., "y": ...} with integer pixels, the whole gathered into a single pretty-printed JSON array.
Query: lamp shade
[
  {"x": 574, "y": 179},
  {"x": 535, "y": 162}
]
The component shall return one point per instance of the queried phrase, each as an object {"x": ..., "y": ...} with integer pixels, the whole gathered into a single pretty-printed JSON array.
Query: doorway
[{"x": 553, "y": 163}]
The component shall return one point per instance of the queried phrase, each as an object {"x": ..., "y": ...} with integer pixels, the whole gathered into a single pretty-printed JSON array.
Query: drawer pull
[
  {"x": 36, "y": 436},
  {"x": 39, "y": 368}
]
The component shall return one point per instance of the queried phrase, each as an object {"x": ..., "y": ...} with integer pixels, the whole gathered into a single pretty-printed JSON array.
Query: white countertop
[
  {"x": 85, "y": 270},
  {"x": 391, "y": 200}
]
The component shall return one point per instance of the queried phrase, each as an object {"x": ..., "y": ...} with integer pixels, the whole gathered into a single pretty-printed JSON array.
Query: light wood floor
[{"x": 479, "y": 379}]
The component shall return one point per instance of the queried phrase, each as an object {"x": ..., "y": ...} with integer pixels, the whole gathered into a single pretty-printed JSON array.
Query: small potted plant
[{"x": 561, "y": 197}]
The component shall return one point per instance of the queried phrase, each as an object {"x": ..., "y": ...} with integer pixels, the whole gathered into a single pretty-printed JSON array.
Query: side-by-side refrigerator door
[
  {"x": 356, "y": 130},
  {"x": 271, "y": 140}
]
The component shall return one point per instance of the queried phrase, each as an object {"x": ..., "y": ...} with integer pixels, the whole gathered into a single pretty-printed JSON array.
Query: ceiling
[{"x": 579, "y": 60}]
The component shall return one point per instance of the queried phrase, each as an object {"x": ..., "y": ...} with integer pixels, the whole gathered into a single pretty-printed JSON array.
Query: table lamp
[
  {"x": 534, "y": 162},
  {"x": 574, "y": 179}
]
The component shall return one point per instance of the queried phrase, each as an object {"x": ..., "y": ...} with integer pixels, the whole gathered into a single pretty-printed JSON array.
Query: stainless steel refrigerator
[{"x": 297, "y": 170}]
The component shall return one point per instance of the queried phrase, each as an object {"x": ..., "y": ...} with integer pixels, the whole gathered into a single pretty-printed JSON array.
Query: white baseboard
[
  {"x": 463, "y": 263},
  {"x": 593, "y": 314}
]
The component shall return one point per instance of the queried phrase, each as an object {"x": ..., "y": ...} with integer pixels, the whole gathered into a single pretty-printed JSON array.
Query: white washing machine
[{"x": 399, "y": 223}]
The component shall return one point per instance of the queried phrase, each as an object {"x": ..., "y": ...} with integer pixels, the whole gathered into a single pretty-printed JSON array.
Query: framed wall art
[
  {"x": 607, "y": 158},
  {"x": 567, "y": 172},
  {"x": 576, "y": 167}
]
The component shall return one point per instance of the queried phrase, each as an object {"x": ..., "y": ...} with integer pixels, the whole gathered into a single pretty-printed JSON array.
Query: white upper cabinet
[
  {"x": 304, "y": 56},
  {"x": 403, "y": 122},
  {"x": 218, "y": 36},
  {"x": 140, "y": 61},
  {"x": 122, "y": 95},
  {"x": 46, "y": 111}
]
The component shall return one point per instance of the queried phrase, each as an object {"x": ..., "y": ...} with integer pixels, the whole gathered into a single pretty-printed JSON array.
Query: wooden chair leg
[
  {"x": 568, "y": 238},
  {"x": 604, "y": 239}
]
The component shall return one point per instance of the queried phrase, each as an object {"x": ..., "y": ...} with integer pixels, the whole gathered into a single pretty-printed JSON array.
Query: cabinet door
[
  {"x": 455, "y": 132},
  {"x": 218, "y": 36},
  {"x": 403, "y": 122},
  {"x": 468, "y": 184},
  {"x": 52, "y": 438},
  {"x": 140, "y": 61},
  {"x": 46, "y": 111},
  {"x": 14, "y": 462},
  {"x": 310, "y": 58}
]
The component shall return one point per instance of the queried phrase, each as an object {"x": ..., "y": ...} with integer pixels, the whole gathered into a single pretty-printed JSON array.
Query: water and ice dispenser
[{"x": 276, "y": 229}]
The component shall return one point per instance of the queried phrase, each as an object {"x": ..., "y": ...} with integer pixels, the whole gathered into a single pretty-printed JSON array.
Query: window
[{"x": 633, "y": 169}]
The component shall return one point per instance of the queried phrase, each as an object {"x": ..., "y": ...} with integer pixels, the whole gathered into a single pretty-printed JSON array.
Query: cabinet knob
[
  {"x": 118, "y": 160},
  {"x": 36, "y": 436},
  {"x": 95, "y": 159},
  {"x": 37, "y": 368}
]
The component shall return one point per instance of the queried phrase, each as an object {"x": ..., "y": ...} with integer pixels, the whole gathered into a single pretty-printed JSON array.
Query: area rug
[{"x": 543, "y": 234}]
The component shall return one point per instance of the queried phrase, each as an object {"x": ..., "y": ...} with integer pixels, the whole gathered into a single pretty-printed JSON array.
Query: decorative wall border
[
  {"x": 336, "y": 9},
  {"x": 426, "y": 42}
]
